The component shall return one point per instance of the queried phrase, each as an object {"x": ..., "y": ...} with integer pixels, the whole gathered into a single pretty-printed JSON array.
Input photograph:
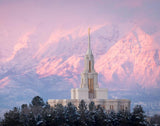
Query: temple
[{"x": 89, "y": 89}]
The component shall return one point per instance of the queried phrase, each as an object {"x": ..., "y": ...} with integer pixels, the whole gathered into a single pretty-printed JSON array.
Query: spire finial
[
  {"x": 89, "y": 51},
  {"x": 89, "y": 45}
]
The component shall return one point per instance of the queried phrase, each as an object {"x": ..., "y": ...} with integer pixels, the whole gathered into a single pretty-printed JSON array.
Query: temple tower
[
  {"x": 89, "y": 78},
  {"x": 89, "y": 88}
]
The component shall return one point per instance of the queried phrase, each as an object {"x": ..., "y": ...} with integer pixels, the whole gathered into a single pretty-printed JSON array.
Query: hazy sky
[{"x": 19, "y": 18}]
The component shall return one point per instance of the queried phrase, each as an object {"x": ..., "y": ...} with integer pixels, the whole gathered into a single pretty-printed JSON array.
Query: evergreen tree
[
  {"x": 124, "y": 118},
  {"x": 39, "y": 113},
  {"x": 36, "y": 106},
  {"x": 71, "y": 115},
  {"x": 82, "y": 110},
  {"x": 100, "y": 116},
  {"x": 12, "y": 118},
  {"x": 37, "y": 101},
  {"x": 138, "y": 116},
  {"x": 92, "y": 106},
  {"x": 155, "y": 120},
  {"x": 91, "y": 114},
  {"x": 48, "y": 115},
  {"x": 59, "y": 112},
  {"x": 31, "y": 119},
  {"x": 24, "y": 114},
  {"x": 113, "y": 119},
  {"x": 109, "y": 119}
]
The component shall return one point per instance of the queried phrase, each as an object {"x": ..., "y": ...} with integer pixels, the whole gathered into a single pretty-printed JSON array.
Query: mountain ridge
[{"x": 125, "y": 63}]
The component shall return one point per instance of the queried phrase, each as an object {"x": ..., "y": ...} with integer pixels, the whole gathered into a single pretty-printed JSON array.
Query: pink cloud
[{"x": 4, "y": 82}]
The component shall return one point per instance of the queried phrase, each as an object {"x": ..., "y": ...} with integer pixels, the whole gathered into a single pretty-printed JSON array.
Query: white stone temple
[{"x": 89, "y": 89}]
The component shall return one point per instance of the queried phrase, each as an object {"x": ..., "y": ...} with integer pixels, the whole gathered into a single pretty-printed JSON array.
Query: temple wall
[
  {"x": 115, "y": 105},
  {"x": 79, "y": 93},
  {"x": 101, "y": 93}
]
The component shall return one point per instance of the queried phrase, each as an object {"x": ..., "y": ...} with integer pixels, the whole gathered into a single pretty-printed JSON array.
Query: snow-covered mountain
[
  {"x": 128, "y": 64},
  {"x": 133, "y": 59}
]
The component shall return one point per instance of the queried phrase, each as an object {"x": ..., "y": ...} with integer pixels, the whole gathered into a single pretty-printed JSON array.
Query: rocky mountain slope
[{"x": 128, "y": 64}]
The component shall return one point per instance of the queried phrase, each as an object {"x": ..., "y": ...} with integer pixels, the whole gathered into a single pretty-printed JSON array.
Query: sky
[
  {"x": 20, "y": 18},
  {"x": 31, "y": 26}
]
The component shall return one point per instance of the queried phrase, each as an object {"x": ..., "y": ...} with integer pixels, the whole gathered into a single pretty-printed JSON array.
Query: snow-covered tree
[
  {"x": 71, "y": 115},
  {"x": 37, "y": 105},
  {"x": 138, "y": 116},
  {"x": 124, "y": 118},
  {"x": 83, "y": 112},
  {"x": 39, "y": 113},
  {"x": 12, "y": 118},
  {"x": 37, "y": 101},
  {"x": 91, "y": 114},
  {"x": 100, "y": 116},
  {"x": 59, "y": 112}
]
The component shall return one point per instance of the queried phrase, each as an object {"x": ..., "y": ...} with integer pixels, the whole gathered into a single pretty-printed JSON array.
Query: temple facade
[{"x": 89, "y": 89}]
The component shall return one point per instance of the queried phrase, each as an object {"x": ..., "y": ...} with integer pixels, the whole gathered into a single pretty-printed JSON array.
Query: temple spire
[
  {"x": 89, "y": 51},
  {"x": 89, "y": 46}
]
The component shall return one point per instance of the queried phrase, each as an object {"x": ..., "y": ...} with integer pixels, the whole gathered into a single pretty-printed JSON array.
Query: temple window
[
  {"x": 89, "y": 66},
  {"x": 122, "y": 107},
  {"x": 111, "y": 107},
  {"x": 91, "y": 87}
]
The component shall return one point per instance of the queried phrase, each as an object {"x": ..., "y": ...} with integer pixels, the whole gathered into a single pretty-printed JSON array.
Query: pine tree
[
  {"x": 36, "y": 106},
  {"x": 37, "y": 101},
  {"x": 91, "y": 114},
  {"x": 138, "y": 116},
  {"x": 24, "y": 114},
  {"x": 48, "y": 115},
  {"x": 82, "y": 110},
  {"x": 124, "y": 118},
  {"x": 12, "y": 118},
  {"x": 71, "y": 115},
  {"x": 100, "y": 116},
  {"x": 155, "y": 120},
  {"x": 59, "y": 112},
  {"x": 31, "y": 119}
]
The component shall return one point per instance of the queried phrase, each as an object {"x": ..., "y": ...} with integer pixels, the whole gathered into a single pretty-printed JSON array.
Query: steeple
[
  {"x": 89, "y": 58},
  {"x": 89, "y": 51},
  {"x": 89, "y": 77}
]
